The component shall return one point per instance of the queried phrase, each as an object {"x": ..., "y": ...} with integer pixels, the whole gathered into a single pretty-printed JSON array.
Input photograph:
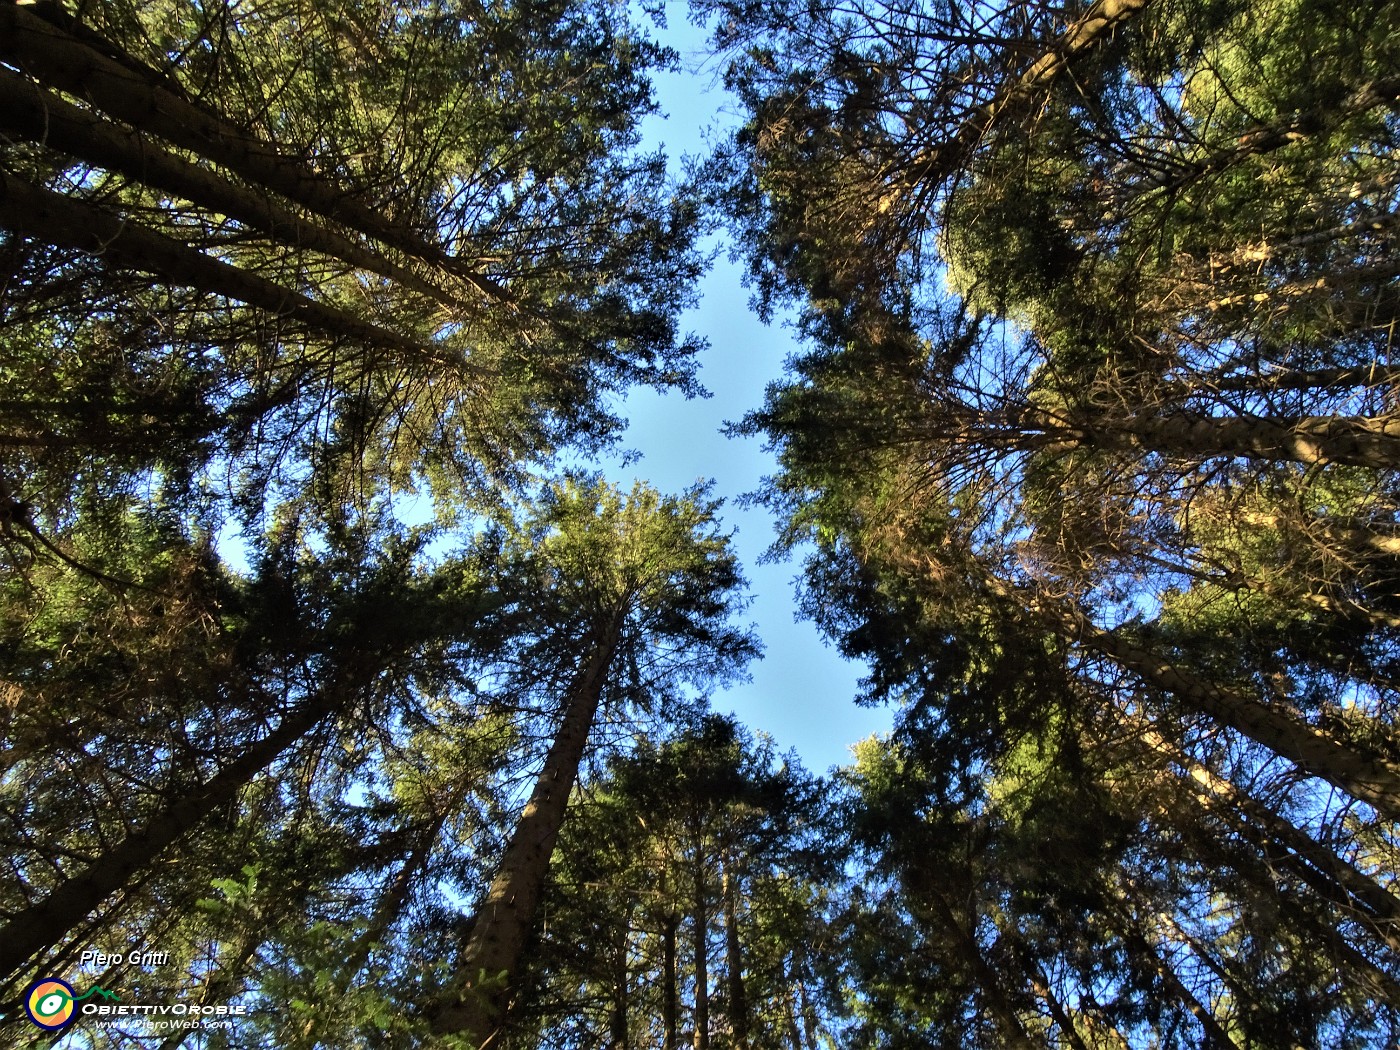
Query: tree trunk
[
  {"x": 396, "y": 894},
  {"x": 790, "y": 1010},
  {"x": 1096, "y": 1020},
  {"x": 1370, "y": 779},
  {"x": 734, "y": 961},
  {"x": 222, "y": 985},
  {"x": 619, "y": 1016},
  {"x": 44, "y": 924},
  {"x": 1261, "y": 875},
  {"x": 989, "y": 983},
  {"x": 1373, "y": 780},
  {"x": 1215, "y": 1036},
  {"x": 1265, "y": 138},
  {"x": 700, "y": 933},
  {"x": 1370, "y": 538},
  {"x": 1356, "y": 440},
  {"x": 40, "y": 116},
  {"x": 70, "y": 223},
  {"x": 144, "y": 99},
  {"x": 491, "y": 956},
  {"x": 668, "y": 982},
  {"x": 810, "y": 1023},
  {"x": 1311, "y": 861},
  {"x": 1041, "y": 986}
]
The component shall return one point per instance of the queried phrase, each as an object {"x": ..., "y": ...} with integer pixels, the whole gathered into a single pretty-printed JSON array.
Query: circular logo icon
[{"x": 49, "y": 1003}]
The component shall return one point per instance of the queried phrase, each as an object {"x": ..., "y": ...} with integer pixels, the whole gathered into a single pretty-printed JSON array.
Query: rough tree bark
[
  {"x": 145, "y": 99},
  {"x": 491, "y": 956},
  {"x": 48, "y": 921}
]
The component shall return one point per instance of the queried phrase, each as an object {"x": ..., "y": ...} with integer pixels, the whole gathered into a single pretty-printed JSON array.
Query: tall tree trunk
[
  {"x": 1216, "y": 966},
  {"x": 1371, "y": 779},
  {"x": 990, "y": 985},
  {"x": 44, "y": 924},
  {"x": 40, "y": 116},
  {"x": 1360, "y": 441},
  {"x": 790, "y": 1010},
  {"x": 669, "y": 1004},
  {"x": 1096, "y": 1020},
  {"x": 146, "y": 100},
  {"x": 1307, "y": 858},
  {"x": 734, "y": 959},
  {"x": 491, "y": 956},
  {"x": 700, "y": 933},
  {"x": 70, "y": 223},
  {"x": 396, "y": 894},
  {"x": 223, "y": 984},
  {"x": 1285, "y": 131},
  {"x": 1363, "y": 441},
  {"x": 1354, "y": 968},
  {"x": 1214, "y": 1034},
  {"x": 1040, "y": 984},
  {"x": 810, "y": 1022},
  {"x": 1354, "y": 538},
  {"x": 619, "y": 1016}
]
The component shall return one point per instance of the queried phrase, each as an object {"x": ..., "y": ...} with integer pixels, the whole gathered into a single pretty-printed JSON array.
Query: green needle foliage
[
  {"x": 1091, "y": 455},
  {"x": 1093, "y": 441}
]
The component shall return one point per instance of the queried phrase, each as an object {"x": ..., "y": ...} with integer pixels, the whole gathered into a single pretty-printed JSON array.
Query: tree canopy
[
  {"x": 1092, "y": 444},
  {"x": 333, "y": 674}
]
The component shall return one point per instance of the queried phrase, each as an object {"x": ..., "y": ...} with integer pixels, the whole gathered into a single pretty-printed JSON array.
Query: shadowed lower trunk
[
  {"x": 668, "y": 982},
  {"x": 734, "y": 962},
  {"x": 45, "y": 923},
  {"x": 701, "y": 934},
  {"x": 491, "y": 957}
]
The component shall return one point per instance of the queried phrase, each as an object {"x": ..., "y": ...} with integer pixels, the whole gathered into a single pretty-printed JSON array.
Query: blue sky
[{"x": 801, "y": 691}]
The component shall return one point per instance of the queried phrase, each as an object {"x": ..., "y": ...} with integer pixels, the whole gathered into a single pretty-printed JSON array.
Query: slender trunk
[
  {"x": 1363, "y": 441},
  {"x": 222, "y": 985},
  {"x": 700, "y": 933},
  {"x": 1374, "y": 375},
  {"x": 70, "y": 223},
  {"x": 1041, "y": 986},
  {"x": 990, "y": 986},
  {"x": 668, "y": 982},
  {"x": 44, "y": 924},
  {"x": 40, "y": 116},
  {"x": 1215, "y": 1035},
  {"x": 1371, "y": 375},
  {"x": 144, "y": 99},
  {"x": 810, "y": 1024},
  {"x": 1368, "y": 778},
  {"x": 396, "y": 895},
  {"x": 790, "y": 1011},
  {"x": 1359, "y": 970},
  {"x": 1309, "y": 859},
  {"x": 491, "y": 956},
  {"x": 734, "y": 960},
  {"x": 1096, "y": 1020},
  {"x": 618, "y": 1018},
  {"x": 1240, "y": 993}
]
